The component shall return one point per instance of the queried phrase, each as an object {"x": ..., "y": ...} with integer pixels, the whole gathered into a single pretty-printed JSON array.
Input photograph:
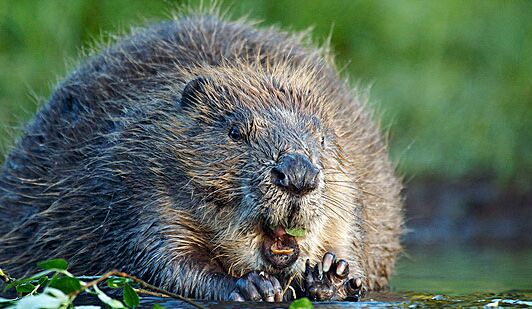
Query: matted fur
[{"x": 113, "y": 172}]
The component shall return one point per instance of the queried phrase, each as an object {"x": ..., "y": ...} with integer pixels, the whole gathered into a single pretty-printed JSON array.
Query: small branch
[
  {"x": 287, "y": 286},
  {"x": 140, "y": 282},
  {"x": 293, "y": 291},
  {"x": 5, "y": 277},
  {"x": 159, "y": 290},
  {"x": 142, "y": 291},
  {"x": 92, "y": 283}
]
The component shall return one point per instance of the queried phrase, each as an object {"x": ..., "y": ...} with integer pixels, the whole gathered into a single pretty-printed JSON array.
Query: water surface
[
  {"x": 463, "y": 270},
  {"x": 436, "y": 276}
]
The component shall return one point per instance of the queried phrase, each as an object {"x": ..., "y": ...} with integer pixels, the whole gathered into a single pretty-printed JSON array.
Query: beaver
[{"x": 212, "y": 158}]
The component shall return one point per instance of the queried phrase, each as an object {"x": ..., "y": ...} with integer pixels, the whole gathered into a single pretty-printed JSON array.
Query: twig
[
  {"x": 143, "y": 291},
  {"x": 287, "y": 286},
  {"x": 159, "y": 290},
  {"x": 293, "y": 291},
  {"x": 5, "y": 277},
  {"x": 142, "y": 283},
  {"x": 92, "y": 283}
]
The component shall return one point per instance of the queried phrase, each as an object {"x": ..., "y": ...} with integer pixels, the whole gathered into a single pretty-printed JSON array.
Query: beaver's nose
[{"x": 296, "y": 174}]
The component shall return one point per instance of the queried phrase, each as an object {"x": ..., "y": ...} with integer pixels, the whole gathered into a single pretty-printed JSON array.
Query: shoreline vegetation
[{"x": 55, "y": 287}]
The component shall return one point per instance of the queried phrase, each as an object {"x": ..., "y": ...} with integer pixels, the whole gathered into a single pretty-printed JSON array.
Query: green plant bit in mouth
[{"x": 296, "y": 232}]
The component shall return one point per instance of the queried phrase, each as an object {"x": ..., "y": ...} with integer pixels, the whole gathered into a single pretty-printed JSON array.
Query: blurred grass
[{"x": 451, "y": 78}]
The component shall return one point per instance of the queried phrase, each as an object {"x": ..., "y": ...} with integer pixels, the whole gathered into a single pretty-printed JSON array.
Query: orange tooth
[{"x": 281, "y": 251}]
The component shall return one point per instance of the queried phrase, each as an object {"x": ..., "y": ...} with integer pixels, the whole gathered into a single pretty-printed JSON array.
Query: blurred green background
[{"x": 451, "y": 81}]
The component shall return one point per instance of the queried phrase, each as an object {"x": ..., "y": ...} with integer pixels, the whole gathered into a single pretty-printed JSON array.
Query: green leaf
[
  {"x": 49, "y": 298},
  {"x": 157, "y": 306},
  {"x": 296, "y": 232},
  {"x": 53, "y": 264},
  {"x": 30, "y": 279},
  {"x": 131, "y": 298},
  {"x": 115, "y": 283},
  {"x": 54, "y": 278},
  {"x": 25, "y": 288},
  {"x": 302, "y": 303},
  {"x": 66, "y": 284},
  {"x": 113, "y": 303},
  {"x": 42, "y": 280}
]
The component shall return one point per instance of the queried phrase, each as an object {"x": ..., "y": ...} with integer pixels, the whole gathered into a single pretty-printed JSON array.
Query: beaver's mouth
[{"x": 279, "y": 249}]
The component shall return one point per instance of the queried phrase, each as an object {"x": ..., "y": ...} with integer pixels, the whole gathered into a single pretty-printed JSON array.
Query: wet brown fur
[{"x": 114, "y": 172}]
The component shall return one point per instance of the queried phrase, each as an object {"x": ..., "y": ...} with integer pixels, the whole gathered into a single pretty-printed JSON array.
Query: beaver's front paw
[
  {"x": 257, "y": 286},
  {"x": 329, "y": 280}
]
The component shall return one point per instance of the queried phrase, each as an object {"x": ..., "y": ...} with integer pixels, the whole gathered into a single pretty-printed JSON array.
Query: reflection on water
[
  {"x": 459, "y": 270},
  {"x": 377, "y": 300},
  {"x": 461, "y": 277}
]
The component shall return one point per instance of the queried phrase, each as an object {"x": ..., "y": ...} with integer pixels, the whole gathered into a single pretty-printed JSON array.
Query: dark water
[{"x": 456, "y": 276}]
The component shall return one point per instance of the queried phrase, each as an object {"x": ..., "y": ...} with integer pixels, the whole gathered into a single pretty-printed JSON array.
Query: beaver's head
[{"x": 256, "y": 150}]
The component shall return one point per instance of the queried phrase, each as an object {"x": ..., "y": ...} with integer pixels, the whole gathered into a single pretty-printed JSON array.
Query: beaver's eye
[
  {"x": 235, "y": 134},
  {"x": 323, "y": 141}
]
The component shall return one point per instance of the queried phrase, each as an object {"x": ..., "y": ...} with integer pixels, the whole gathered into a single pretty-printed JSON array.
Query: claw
[
  {"x": 318, "y": 271},
  {"x": 328, "y": 280},
  {"x": 235, "y": 296},
  {"x": 342, "y": 269},
  {"x": 257, "y": 286},
  {"x": 328, "y": 260}
]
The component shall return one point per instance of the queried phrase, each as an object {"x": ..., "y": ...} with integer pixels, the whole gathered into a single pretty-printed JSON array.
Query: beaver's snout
[{"x": 295, "y": 174}]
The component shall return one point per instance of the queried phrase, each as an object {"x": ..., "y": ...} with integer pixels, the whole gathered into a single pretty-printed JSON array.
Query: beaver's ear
[{"x": 193, "y": 91}]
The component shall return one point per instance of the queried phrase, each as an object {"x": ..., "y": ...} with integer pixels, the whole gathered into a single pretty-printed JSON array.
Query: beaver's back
[{"x": 87, "y": 109}]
